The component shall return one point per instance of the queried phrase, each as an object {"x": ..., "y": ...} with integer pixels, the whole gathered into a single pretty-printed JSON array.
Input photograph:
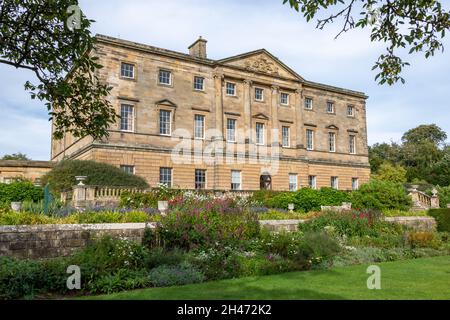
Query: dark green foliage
[
  {"x": 62, "y": 176},
  {"x": 381, "y": 195},
  {"x": 444, "y": 196},
  {"x": 15, "y": 156},
  {"x": 262, "y": 196},
  {"x": 20, "y": 191},
  {"x": 165, "y": 276},
  {"x": 315, "y": 248},
  {"x": 442, "y": 217},
  {"x": 307, "y": 199},
  {"x": 159, "y": 256},
  {"x": 122, "y": 279}
]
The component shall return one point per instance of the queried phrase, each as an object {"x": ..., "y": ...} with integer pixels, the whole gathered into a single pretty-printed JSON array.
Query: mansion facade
[{"x": 242, "y": 123}]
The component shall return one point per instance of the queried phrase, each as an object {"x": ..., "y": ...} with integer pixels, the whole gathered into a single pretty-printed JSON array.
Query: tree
[
  {"x": 379, "y": 153},
  {"x": 15, "y": 156},
  {"x": 392, "y": 173},
  {"x": 412, "y": 25},
  {"x": 52, "y": 39},
  {"x": 425, "y": 133}
]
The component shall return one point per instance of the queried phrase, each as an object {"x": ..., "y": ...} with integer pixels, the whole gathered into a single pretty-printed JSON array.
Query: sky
[{"x": 232, "y": 27}]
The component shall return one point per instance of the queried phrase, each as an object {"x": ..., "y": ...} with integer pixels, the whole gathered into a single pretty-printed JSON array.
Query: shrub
[
  {"x": 444, "y": 196},
  {"x": 352, "y": 224},
  {"x": 422, "y": 240},
  {"x": 159, "y": 256},
  {"x": 206, "y": 224},
  {"x": 20, "y": 191},
  {"x": 123, "y": 279},
  {"x": 62, "y": 176},
  {"x": 442, "y": 217},
  {"x": 381, "y": 195},
  {"x": 283, "y": 244},
  {"x": 165, "y": 276},
  {"x": 316, "y": 248},
  {"x": 18, "y": 278},
  {"x": 400, "y": 213},
  {"x": 262, "y": 196}
]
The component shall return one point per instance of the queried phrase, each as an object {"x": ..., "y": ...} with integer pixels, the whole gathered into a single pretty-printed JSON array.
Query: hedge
[
  {"x": 20, "y": 191},
  {"x": 442, "y": 217}
]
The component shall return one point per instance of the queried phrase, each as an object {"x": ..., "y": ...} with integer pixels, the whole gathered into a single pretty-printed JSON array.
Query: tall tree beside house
[
  {"x": 417, "y": 26},
  {"x": 15, "y": 156},
  {"x": 51, "y": 38}
]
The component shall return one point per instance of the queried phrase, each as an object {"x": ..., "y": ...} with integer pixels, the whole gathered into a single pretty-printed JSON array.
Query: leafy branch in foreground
[
  {"x": 37, "y": 35},
  {"x": 418, "y": 26}
]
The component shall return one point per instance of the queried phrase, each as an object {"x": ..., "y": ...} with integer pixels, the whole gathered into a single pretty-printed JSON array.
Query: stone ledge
[{"x": 75, "y": 227}]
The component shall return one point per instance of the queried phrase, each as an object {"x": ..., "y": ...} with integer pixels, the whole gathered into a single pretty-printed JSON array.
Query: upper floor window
[
  {"x": 236, "y": 180},
  {"x": 165, "y": 77},
  {"x": 285, "y": 139},
  {"x": 284, "y": 98},
  {"x": 308, "y": 103},
  {"x": 127, "y": 169},
  {"x": 127, "y": 70},
  {"x": 231, "y": 89},
  {"x": 199, "y": 126},
  {"x": 259, "y": 94},
  {"x": 126, "y": 117},
  {"x": 331, "y": 142},
  {"x": 165, "y": 124},
  {"x": 259, "y": 133},
  {"x": 355, "y": 183},
  {"x": 352, "y": 144},
  {"x": 330, "y": 107},
  {"x": 200, "y": 179},
  {"x": 334, "y": 182},
  {"x": 293, "y": 182},
  {"x": 350, "y": 111},
  {"x": 309, "y": 139},
  {"x": 231, "y": 130},
  {"x": 165, "y": 176},
  {"x": 312, "y": 181},
  {"x": 199, "y": 83}
]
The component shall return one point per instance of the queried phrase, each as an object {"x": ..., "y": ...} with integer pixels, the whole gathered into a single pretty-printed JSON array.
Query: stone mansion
[{"x": 246, "y": 122}]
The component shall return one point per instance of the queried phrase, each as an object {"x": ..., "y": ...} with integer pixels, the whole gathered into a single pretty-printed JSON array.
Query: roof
[{"x": 221, "y": 62}]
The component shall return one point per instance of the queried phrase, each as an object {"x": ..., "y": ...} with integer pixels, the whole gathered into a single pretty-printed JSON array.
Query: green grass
[{"x": 427, "y": 278}]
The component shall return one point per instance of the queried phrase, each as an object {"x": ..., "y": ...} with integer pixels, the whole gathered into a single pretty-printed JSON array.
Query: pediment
[
  {"x": 166, "y": 102},
  {"x": 261, "y": 116},
  {"x": 332, "y": 127},
  {"x": 261, "y": 61}
]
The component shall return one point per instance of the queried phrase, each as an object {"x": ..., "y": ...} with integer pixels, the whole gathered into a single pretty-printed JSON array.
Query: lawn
[{"x": 427, "y": 278}]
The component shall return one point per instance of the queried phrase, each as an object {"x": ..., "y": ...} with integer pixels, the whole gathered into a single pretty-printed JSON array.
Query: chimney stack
[{"x": 198, "y": 48}]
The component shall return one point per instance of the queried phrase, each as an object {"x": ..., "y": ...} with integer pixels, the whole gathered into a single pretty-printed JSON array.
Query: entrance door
[{"x": 265, "y": 182}]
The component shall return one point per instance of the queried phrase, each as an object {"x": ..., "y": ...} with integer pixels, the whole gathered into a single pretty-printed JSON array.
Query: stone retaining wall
[
  {"x": 48, "y": 241},
  {"x": 417, "y": 223}
]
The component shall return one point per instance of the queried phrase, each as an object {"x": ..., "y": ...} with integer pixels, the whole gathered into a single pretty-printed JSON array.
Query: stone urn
[
  {"x": 291, "y": 207},
  {"x": 163, "y": 206},
  {"x": 16, "y": 206}
]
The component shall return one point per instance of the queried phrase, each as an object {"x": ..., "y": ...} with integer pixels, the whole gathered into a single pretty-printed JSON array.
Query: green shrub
[
  {"x": 263, "y": 265},
  {"x": 381, "y": 195},
  {"x": 18, "y": 278},
  {"x": 262, "y": 196},
  {"x": 316, "y": 248},
  {"x": 20, "y": 191},
  {"x": 165, "y": 276},
  {"x": 123, "y": 279},
  {"x": 442, "y": 217},
  {"x": 444, "y": 196},
  {"x": 423, "y": 239},
  {"x": 400, "y": 213},
  {"x": 351, "y": 224},
  {"x": 62, "y": 176},
  {"x": 308, "y": 199},
  {"x": 283, "y": 244},
  {"x": 159, "y": 256}
]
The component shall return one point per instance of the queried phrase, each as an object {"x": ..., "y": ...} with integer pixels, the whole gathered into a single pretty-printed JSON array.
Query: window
[
  {"x": 127, "y": 169},
  {"x": 199, "y": 83},
  {"x": 259, "y": 94},
  {"x": 355, "y": 183},
  {"x": 330, "y": 107},
  {"x": 231, "y": 89},
  {"x": 165, "y": 77},
  {"x": 235, "y": 180},
  {"x": 259, "y": 133},
  {"x": 293, "y": 182},
  {"x": 308, "y": 103},
  {"x": 331, "y": 142},
  {"x": 335, "y": 182},
  {"x": 309, "y": 139},
  {"x": 126, "y": 117},
  {"x": 285, "y": 141},
  {"x": 284, "y": 98},
  {"x": 231, "y": 130},
  {"x": 199, "y": 126},
  {"x": 164, "y": 122},
  {"x": 312, "y": 180},
  {"x": 350, "y": 111},
  {"x": 127, "y": 70},
  {"x": 352, "y": 144},
  {"x": 165, "y": 176},
  {"x": 200, "y": 179}
]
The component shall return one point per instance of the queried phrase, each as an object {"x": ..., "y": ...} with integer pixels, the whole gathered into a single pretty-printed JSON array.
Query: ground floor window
[
  {"x": 355, "y": 183},
  {"x": 293, "y": 182},
  {"x": 312, "y": 182},
  {"x": 335, "y": 182},
  {"x": 165, "y": 176},
  {"x": 127, "y": 169},
  {"x": 200, "y": 179},
  {"x": 235, "y": 180}
]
